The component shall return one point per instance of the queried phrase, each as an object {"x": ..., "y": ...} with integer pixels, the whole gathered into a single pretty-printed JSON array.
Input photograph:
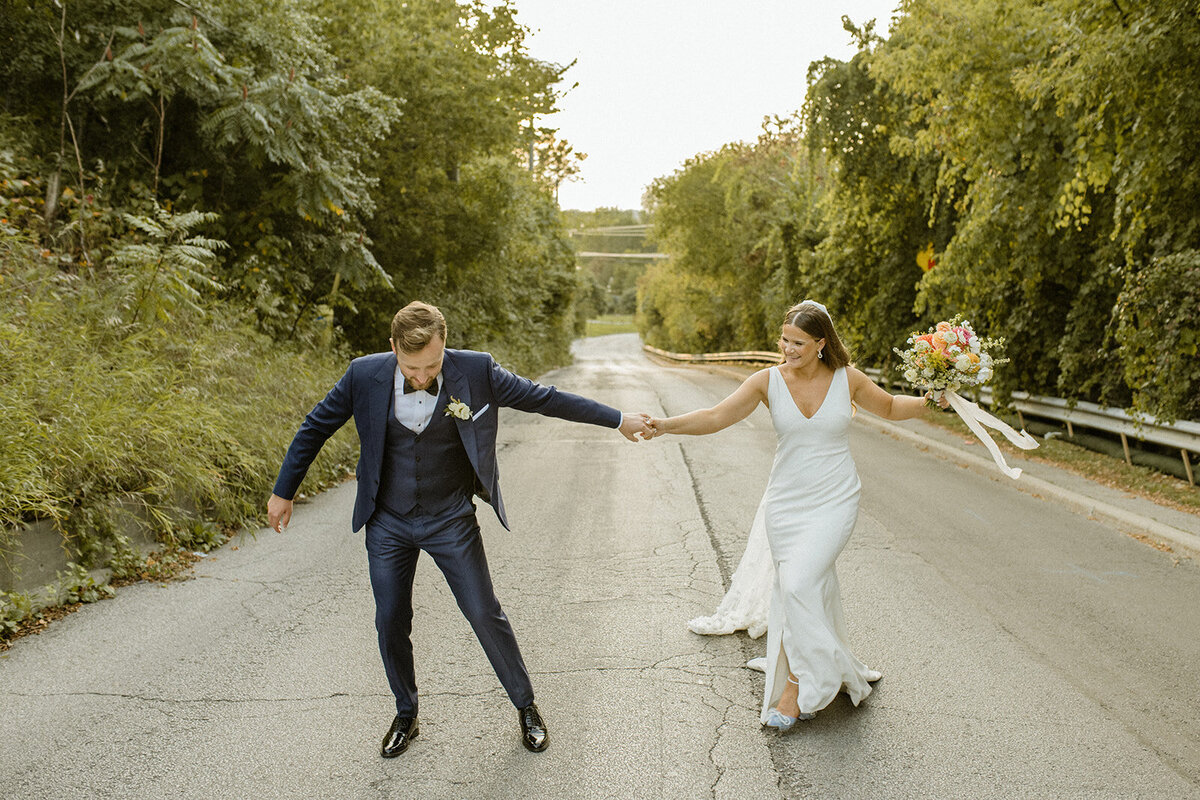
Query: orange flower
[{"x": 943, "y": 326}]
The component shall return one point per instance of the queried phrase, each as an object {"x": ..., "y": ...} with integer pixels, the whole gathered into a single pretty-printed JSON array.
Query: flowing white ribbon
[{"x": 973, "y": 415}]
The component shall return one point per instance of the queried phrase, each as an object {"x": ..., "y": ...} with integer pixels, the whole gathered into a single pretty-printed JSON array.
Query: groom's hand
[
  {"x": 279, "y": 513},
  {"x": 634, "y": 424}
]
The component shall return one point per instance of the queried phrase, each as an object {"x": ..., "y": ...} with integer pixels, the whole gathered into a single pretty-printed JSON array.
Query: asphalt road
[{"x": 1027, "y": 650}]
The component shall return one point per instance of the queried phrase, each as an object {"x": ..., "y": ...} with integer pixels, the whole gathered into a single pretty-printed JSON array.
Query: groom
[{"x": 427, "y": 419}]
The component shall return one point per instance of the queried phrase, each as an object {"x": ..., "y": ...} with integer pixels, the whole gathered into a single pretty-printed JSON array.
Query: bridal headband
[
  {"x": 818, "y": 305},
  {"x": 814, "y": 304}
]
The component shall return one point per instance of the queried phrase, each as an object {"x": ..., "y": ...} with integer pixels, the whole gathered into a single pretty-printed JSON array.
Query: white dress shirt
[{"x": 415, "y": 409}]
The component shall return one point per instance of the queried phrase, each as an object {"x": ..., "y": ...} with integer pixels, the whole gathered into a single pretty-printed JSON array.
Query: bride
[{"x": 805, "y": 518}]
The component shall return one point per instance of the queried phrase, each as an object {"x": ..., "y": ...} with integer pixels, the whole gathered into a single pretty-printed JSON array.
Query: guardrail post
[
  {"x": 1070, "y": 429},
  {"x": 1125, "y": 445},
  {"x": 1187, "y": 466}
]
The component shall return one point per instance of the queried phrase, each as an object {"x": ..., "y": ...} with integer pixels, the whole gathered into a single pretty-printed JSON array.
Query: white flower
[
  {"x": 985, "y": 374},
  {"x": 927, "y": 372},
  {"x": 923, "y": 345},
  {"x": 949, "y": 337},
  {"x": 911, "y": 376},
  {"x": 962, "y": 363},
  {"x": 975, "y": 347},
  {"x": 458, "y": 409}
]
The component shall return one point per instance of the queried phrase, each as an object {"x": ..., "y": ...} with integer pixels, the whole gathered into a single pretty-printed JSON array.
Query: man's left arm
[{"x": 513, "y": 391}]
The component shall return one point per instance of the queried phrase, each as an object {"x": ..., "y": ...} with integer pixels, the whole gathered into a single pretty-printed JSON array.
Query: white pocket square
[{"x": 479, "y": 413}]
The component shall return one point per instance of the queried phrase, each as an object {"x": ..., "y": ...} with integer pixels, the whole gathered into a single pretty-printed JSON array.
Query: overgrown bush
[
  {"x": 77, "y": 586},
  {"x": 1159, "y": 335},
  {"x": 177, "y": 424},
  {"x": 15, "y": 608}
]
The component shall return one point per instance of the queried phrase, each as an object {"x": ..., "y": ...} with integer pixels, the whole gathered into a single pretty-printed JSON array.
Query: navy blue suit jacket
[{"x": 364, "y": 393}]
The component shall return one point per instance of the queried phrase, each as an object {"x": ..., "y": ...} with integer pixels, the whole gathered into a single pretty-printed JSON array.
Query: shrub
[
  {"x": 185, "y": 423},
  {"x": 1159, "y": 335}
]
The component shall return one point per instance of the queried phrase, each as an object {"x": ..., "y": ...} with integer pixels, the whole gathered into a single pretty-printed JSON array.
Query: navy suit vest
[{"x": 430, "y": 469}]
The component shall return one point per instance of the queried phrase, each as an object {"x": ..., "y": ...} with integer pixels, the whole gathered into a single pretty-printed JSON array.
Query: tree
[
  {"x": 728, "y": 221},
  {"x": 456, "y": 200},
  {"x": 881, "y": 205},
  {"x": 230, "y": 109}
]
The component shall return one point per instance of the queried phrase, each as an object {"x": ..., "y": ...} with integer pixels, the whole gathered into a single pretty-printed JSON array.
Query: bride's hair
[{"x": 813, "y": 320}]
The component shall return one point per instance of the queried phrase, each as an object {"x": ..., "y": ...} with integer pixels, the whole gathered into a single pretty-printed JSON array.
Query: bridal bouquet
[
  {"x": 946, "y": 359},
  {"x": 949, "y": 357}
]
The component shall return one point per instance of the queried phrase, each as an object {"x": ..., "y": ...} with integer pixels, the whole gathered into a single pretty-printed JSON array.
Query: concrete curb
[{"x": 1088, "y": 506}]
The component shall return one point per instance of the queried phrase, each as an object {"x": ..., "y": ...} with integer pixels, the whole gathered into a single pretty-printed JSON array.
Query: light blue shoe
[{"x": 782, "y": 723}]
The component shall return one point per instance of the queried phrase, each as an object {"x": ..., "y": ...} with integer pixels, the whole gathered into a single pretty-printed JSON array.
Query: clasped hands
[{"x": 635, "y": 425}]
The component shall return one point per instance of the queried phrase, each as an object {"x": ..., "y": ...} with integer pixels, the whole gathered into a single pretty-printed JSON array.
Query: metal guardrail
[
  {"x": 741, "y": 356},
  {"x": 1183, "y": 434}
]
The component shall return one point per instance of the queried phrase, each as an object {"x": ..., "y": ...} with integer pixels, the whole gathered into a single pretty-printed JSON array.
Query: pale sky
[{"x": 663, "y": 80}]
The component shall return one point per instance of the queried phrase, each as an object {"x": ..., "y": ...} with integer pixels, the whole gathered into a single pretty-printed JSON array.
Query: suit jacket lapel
[
  {"x": 379, "y": 401},
  {"x": 443, "y": 399},
  {"x": 458, "y": 388}
]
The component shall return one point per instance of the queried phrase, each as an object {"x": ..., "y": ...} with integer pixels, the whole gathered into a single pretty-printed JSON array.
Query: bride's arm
[
  {"x": 866, "y": 395},
  {"x": 733, "y": 408}
]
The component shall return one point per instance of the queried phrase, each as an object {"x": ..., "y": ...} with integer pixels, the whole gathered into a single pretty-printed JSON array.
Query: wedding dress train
[{"x": 745, "y": 605}]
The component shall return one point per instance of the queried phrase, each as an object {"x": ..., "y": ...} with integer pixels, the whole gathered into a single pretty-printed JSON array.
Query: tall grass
[{"x": 183, "y": 421}]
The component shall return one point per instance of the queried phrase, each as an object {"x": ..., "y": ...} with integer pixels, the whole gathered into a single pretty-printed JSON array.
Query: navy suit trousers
[{"x": 452, "y": 538}]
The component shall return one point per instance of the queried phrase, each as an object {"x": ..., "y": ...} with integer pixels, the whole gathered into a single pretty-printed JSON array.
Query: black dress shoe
[
  {"x": 399, "y": 736},
  {"x": 534, "y": 735}
]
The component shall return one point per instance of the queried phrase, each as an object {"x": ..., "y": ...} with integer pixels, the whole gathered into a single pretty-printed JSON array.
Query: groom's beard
[{"x": 422, "y": 385}]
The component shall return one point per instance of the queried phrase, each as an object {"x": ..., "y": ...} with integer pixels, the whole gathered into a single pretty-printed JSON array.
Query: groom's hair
[
  {"x": 416, "y": 325},
  {"x": 809, "y": 318}
]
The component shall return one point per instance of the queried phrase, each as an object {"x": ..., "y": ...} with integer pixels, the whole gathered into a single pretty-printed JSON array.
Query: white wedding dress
[{"x": 804, "y": 520}]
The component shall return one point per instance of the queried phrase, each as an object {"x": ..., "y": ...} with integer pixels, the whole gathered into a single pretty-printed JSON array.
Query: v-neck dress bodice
[
  {"x": 810, "y": 508},
  {"x": 813, "y": 467}
]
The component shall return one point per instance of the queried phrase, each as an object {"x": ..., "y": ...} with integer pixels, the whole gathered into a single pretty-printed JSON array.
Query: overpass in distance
[{"x": 616, "y": 232}]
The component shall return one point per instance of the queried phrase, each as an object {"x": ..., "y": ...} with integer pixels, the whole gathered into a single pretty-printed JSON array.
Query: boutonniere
[{"x": 458, "y": 409}]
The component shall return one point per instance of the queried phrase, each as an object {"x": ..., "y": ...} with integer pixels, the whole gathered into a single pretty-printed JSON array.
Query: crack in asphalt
[
  {"x": 702, "y": 508},
  {"x": 712, "y": 755},
  {"x": 725, "y": 571},
  {"x": 187, "y": 701}
]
